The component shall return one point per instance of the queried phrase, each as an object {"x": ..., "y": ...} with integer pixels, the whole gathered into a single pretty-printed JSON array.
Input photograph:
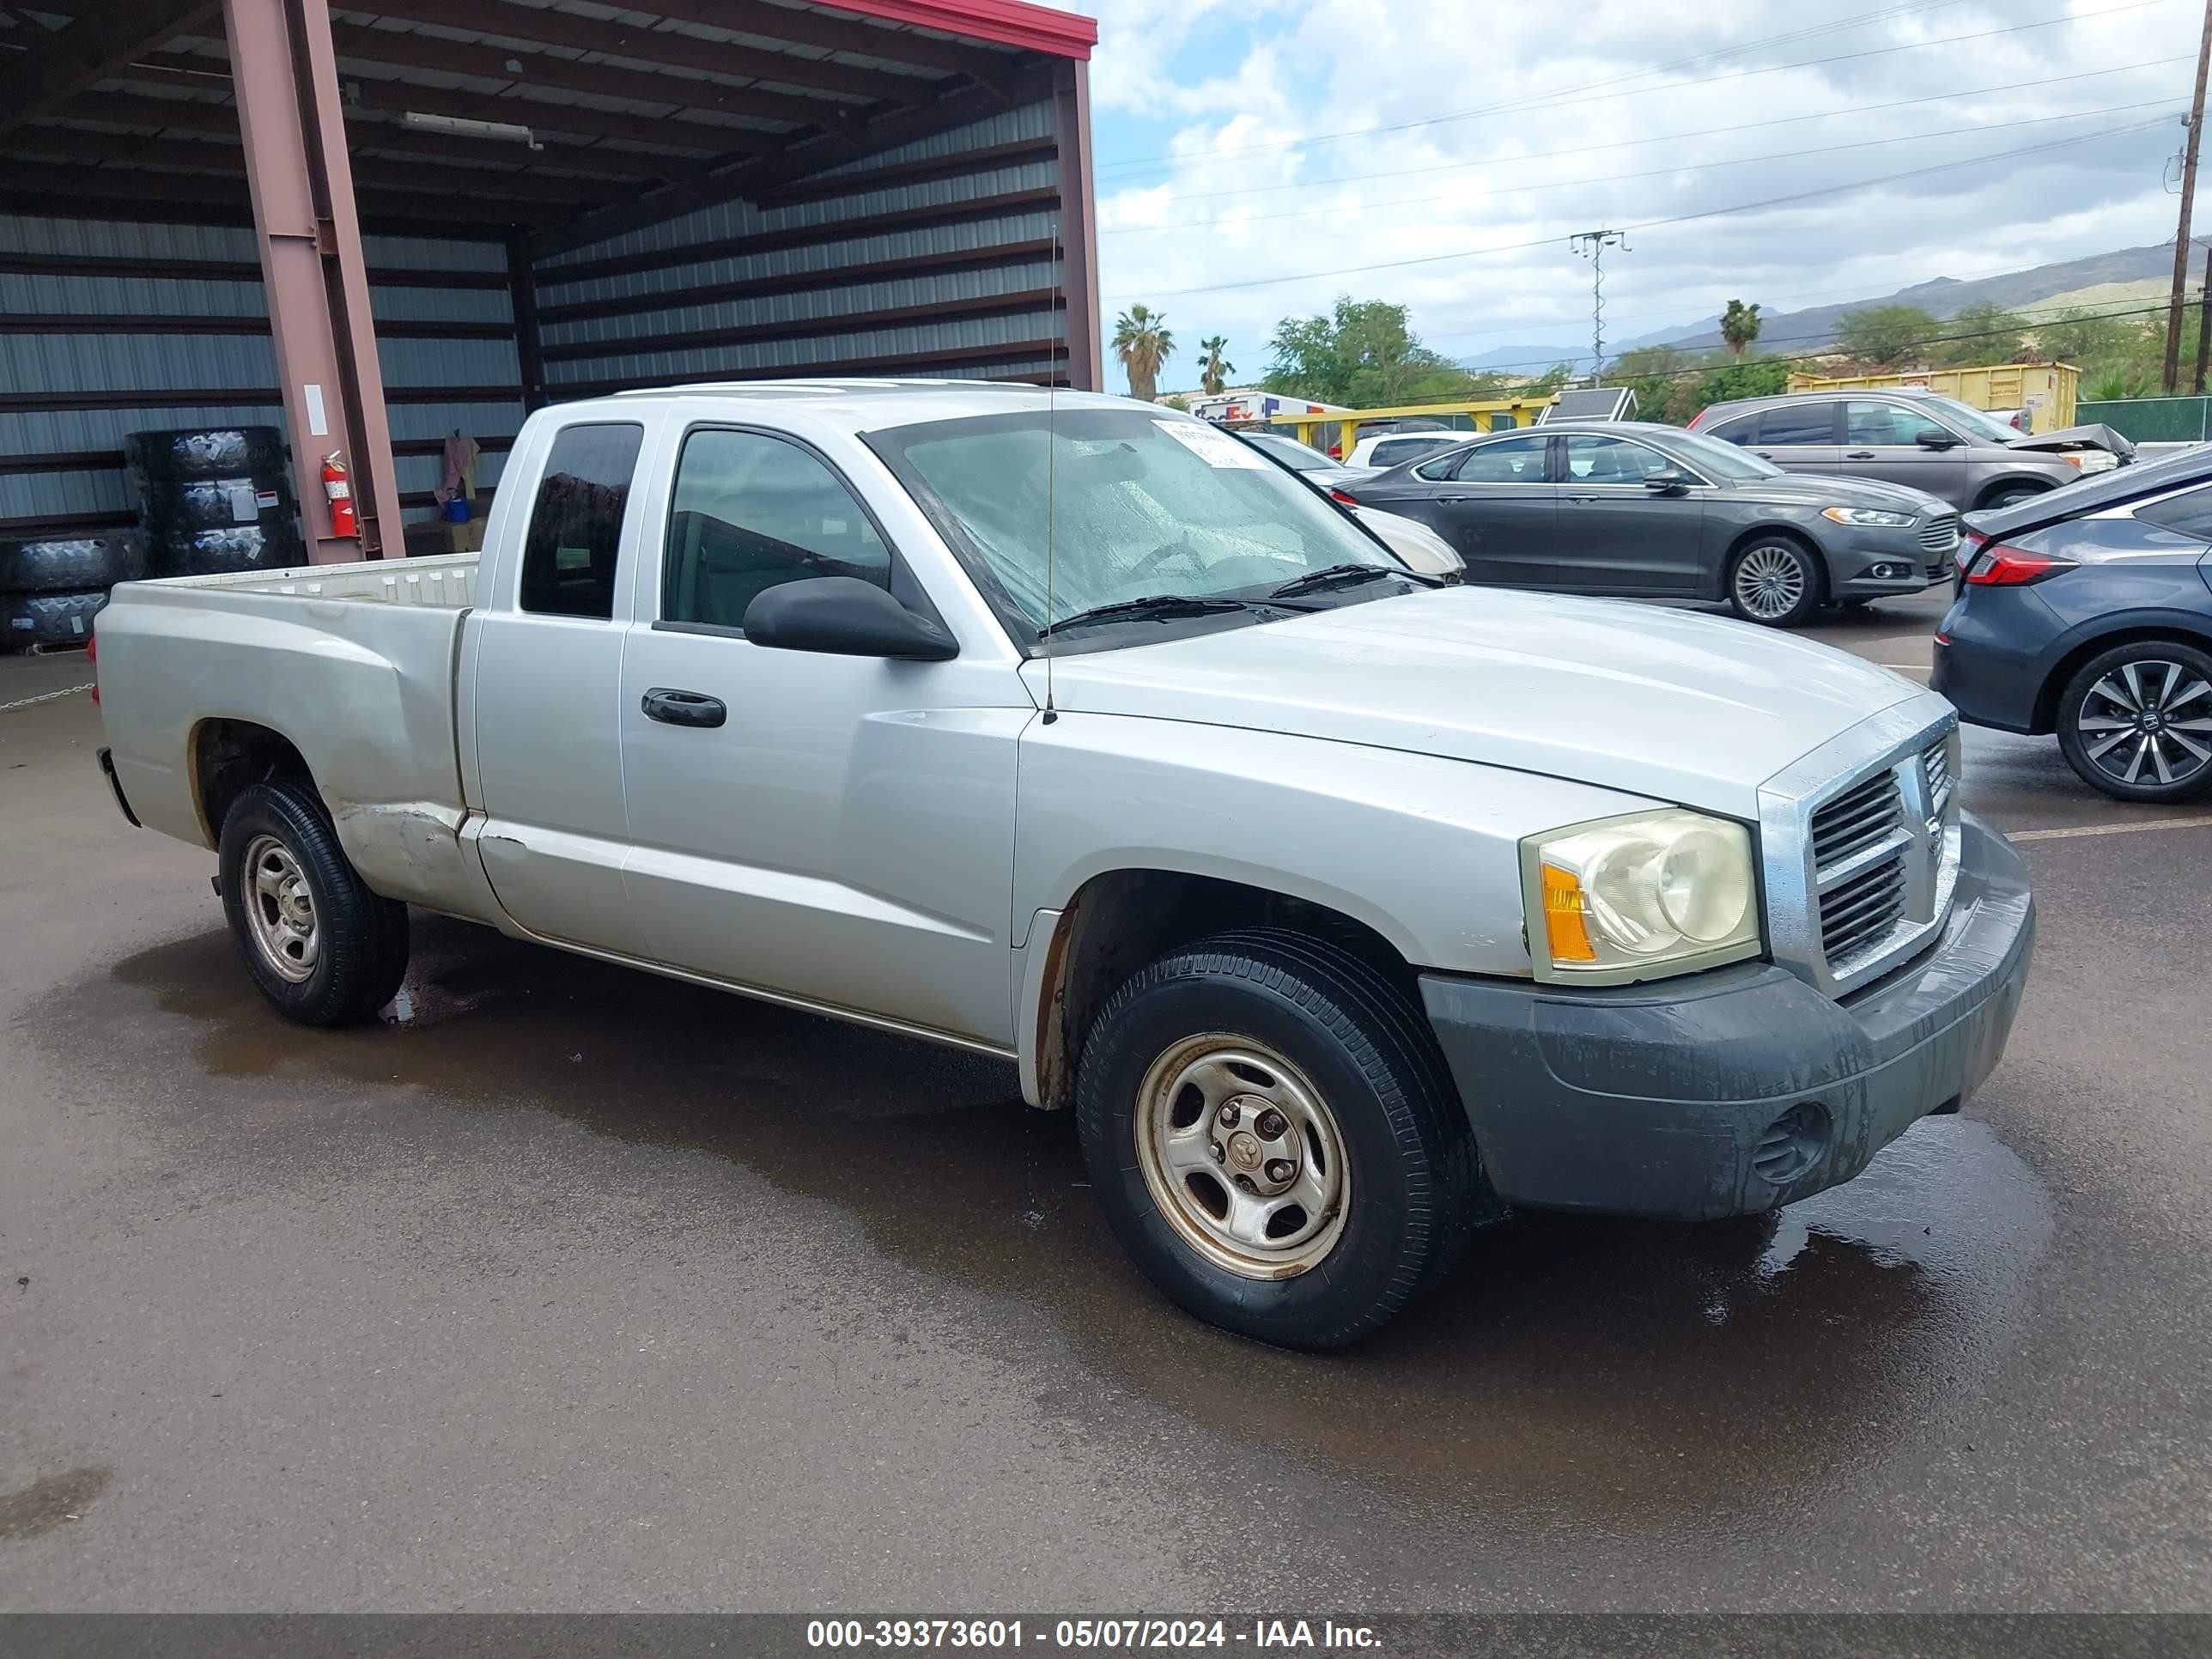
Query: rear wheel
[
  {"x": 1776, "y": 582},
  {"x": 1273, "y": 1136},
  {"x": 2136, "y": 721},
  {"x": 323, "y": 947}
]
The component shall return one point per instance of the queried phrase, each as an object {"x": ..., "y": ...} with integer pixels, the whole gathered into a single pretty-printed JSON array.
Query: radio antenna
[{"x": 1052, "y": 454}]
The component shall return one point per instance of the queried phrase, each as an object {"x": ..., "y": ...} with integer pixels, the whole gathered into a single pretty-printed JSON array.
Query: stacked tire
[
  {"x": 215, "y": 499},
  {"x": 50, "y": 590}
]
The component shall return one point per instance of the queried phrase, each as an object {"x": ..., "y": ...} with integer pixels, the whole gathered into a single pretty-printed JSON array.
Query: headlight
[
  {"x": 2090, "y": 460},
  {"x": 1639, "y": 897},
  {"x": 1873, "y": 516}
]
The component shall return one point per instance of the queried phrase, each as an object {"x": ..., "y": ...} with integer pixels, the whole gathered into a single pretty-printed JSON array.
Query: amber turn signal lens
[{"x": 1564, "y": 929}]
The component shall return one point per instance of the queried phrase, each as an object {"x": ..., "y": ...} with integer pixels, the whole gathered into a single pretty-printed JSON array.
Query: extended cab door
[
  {"x": 837, "y": 829},
  {"x": 545, "y": 677}
]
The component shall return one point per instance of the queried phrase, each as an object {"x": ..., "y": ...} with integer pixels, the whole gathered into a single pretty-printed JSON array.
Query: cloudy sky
[{"x": 1439, "y": 153}]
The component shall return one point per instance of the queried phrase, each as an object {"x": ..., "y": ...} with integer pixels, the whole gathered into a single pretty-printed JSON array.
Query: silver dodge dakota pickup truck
[{"x": 1342, "y": 906}]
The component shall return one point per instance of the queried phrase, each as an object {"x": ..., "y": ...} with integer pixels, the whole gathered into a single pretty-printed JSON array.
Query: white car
[
  {"x": 1340, "y": 906},
  {"x": 1390, "y": 449}
]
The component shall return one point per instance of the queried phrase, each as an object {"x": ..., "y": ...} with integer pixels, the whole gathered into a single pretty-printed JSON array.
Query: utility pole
[
  {"x": 1592, "y": 245},
  {"x": 2205, "y": 323},
  {"x": 2188, "y": 198}
]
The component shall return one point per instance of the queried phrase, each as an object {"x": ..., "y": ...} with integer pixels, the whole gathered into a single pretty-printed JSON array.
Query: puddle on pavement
[{"x": 1571, "y": 1361}]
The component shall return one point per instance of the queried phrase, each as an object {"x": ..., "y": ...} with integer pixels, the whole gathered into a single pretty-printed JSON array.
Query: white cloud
[{"x": 1530, "y": 80}]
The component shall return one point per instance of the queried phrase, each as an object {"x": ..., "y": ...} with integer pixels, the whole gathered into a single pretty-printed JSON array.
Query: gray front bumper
[{"x": 1731, "y": 1091}]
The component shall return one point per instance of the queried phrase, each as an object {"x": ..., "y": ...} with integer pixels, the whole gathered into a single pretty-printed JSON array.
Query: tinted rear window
[
  {"x": 576, "y": 523},
  {"x": 1797, "y": 423}
]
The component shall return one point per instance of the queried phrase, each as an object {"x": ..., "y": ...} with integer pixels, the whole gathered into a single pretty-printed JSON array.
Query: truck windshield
[{"x": 1142, "y": 504}]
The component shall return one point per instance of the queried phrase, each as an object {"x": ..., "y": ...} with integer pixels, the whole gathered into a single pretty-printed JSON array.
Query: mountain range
[{"x": 1815, "y": 327}]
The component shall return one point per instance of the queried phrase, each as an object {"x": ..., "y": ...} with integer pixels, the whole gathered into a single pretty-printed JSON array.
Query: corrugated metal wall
[
  {"x": 108, "y": 328},
  {"x": 933, "y": 259}
]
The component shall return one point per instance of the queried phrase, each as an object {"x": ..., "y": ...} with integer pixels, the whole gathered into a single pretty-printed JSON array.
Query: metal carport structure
[{"x": 374, "y": 227}]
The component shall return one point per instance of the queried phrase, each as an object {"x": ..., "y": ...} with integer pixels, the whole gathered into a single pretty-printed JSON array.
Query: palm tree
[
  {"x": 1142, "y": 344},
  {"x": 1738, "y": 327},
  {"x": 1213, "y": 371}
]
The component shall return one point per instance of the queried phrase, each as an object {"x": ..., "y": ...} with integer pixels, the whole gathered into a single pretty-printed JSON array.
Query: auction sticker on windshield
[{"x": 1214, "y": 448}]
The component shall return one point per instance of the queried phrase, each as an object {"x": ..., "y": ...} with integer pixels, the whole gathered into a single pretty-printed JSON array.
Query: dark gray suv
[
  {"x": 1625, "y": 509},
  {"x": 1920, "y": 439}
]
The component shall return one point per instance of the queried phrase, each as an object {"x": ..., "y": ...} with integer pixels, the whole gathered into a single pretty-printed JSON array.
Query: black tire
[
  {"x": 216, "y": 552},
  {"x": 28, "y": 619},
  {"x": 2010, "y": 495},
  {"x": 76, "y": 562},
  {"x": 169, "y": 510},
  {"x": 206, "y": 453},
  {"x": 1811, "y": 581},
  {"x": 2153, "y": 731},
  {"x": 362, "y": 939},
  {"x": 1413, "y": 1174}
]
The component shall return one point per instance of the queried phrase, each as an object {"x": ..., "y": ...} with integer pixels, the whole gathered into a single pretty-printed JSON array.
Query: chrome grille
[
  {"x": 1940, "y": 534},
  {"x": 1855, "y": 819},
  {"x": 1862, "y": 908},
  {"x": 1858, "y": 864},
  {"x": 1936, "y": 763}
]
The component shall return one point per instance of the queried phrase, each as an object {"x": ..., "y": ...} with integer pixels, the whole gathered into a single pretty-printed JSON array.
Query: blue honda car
[{"x": 2087, "y": 613}]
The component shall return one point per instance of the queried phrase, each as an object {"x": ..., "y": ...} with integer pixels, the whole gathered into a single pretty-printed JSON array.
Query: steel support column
[
  {"x": 284, "y": 74},
  {"x": 1078, "y": 229}
]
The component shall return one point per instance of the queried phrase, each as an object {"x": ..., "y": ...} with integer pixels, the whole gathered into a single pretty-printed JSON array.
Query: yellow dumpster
[{"x": 2044, "y": 392}]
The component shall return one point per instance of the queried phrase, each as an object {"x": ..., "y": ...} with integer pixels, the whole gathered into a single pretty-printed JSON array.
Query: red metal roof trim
[{"x": 1008, "y": 22}]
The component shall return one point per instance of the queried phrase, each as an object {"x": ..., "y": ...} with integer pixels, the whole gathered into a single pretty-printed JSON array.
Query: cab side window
[
  {"x": 750, "y": 511},
  {"x": 1744, "y": 430},
  {"x": 1873, "y": 424},
  {"x": 575, "y": 523}
]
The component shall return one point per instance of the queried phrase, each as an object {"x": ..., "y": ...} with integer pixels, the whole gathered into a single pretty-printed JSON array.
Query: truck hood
[{"x": 1667, "y": 704}]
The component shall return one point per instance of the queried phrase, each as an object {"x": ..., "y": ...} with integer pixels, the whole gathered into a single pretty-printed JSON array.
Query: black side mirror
[
  {"x": 1935, "y": 437},
  {"x": 1667, "y": 481},
  {"x": 844, "y": 616}
]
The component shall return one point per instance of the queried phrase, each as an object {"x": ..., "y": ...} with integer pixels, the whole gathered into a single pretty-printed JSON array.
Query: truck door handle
[
  {"x": 1860, "y": 455},
  {"x": 1453, "y": 500},
  {"x": 1764, "y": 455},
  {"x": 672, "y": 707}
]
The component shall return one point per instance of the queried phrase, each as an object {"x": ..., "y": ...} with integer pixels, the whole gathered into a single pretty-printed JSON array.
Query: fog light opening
[{"x": 1793, "y": 1144}]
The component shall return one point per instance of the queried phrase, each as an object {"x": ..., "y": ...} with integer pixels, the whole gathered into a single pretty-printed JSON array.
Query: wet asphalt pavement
[{"x": 589, "y": 1290}]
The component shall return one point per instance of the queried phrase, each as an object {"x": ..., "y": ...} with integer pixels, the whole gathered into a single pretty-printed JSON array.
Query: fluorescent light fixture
[{"x": 462, "y": 124}]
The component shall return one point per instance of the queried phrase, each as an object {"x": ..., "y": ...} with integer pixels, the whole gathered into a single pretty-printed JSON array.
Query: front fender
[{"x": 1424, "y": 850}]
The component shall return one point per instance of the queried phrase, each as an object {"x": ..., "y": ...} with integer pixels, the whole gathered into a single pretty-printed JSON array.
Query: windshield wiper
[
  {"x": 1336, "y": 575},
  {"x": 1153, "y": 607}
]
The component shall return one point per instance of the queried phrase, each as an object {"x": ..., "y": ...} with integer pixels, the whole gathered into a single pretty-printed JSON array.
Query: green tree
[
  {"x": 1213, "y": 370},
  {"x": 1142, "y": 343},
  {"x": 1362, "y": 354},
  {"x": 1661, "y": 376},
  {"x": 1885, "y": 336},
  {"x": 1738, "y": 327},
  {"x": 1986, "y": 333}
]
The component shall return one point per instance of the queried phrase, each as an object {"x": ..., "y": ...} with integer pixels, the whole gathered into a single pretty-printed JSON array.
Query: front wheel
[
  {"x": 2136, "y": 721},
  {"x": 1775, "y": 582},
  {"x": 2010, "y": 498},
  {"x": 323, "y": 947},
  {"x": 1271, "y": 1132}
]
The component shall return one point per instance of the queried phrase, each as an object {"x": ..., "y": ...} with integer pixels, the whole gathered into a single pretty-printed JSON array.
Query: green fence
[{"x": 2151, "y": 420}]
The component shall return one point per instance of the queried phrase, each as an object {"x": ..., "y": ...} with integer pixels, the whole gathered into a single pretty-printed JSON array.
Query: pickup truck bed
[{"x": 371, "y": 648}]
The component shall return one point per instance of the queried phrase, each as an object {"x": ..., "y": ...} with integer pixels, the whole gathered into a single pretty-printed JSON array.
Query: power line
[
  {"x": 1647, "y": 173},
  {"x": 1549, "y": 102},
  {"x": 1954, "y": 97},
  {"x": 1673, "y": 219}
]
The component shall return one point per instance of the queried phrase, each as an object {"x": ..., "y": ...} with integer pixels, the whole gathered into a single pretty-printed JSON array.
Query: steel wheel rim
[
  {"x": 1770, "y": 582},
  {"x": 280, "y": 909},
  {"x": 2149, "y": 722},
  {"x": 1261, "y": 1199}
]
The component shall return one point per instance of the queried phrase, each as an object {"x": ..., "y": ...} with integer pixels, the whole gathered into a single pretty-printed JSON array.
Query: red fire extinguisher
[{"x": 340, "y": 493}]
